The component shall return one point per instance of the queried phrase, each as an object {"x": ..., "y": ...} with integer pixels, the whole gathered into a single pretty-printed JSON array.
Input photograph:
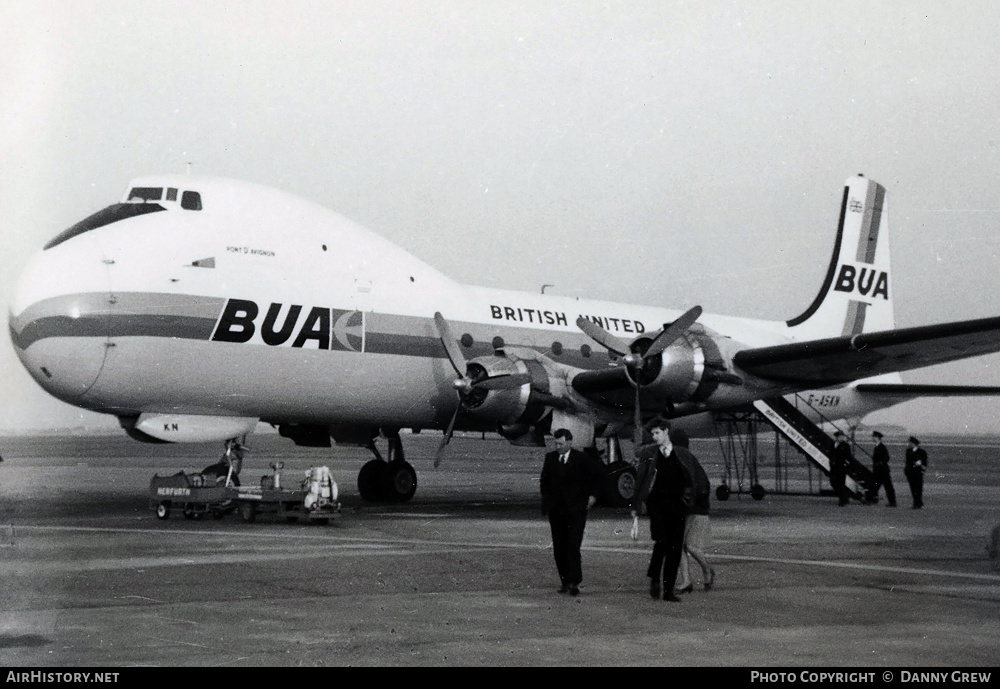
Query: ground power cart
[{"x": 316, "y": 500}]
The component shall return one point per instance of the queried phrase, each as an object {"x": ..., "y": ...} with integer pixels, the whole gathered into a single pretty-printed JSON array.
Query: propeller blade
[
  {"x": 671, "y": 333},
  {"x": 450, "y": 345},
  {"x": 602, "y": 336},
  {"x": 508, "y": 382},
  {"x": 446, "y": 439}
]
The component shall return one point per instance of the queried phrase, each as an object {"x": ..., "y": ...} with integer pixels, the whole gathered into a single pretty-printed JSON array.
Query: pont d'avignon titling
[{"x": 906, "y": 676}]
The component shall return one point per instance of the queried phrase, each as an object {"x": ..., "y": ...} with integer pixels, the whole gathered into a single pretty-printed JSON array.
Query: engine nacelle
[
  {"x": 689, "y": 370},
  {"x": 525, "y": 404}
]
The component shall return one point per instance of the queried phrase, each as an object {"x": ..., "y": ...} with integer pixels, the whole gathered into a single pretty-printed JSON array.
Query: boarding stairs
[{"x": 796, "y": 427}]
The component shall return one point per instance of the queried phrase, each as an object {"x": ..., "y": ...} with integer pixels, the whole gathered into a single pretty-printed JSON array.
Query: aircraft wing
[{"x": 840, "y": 360}]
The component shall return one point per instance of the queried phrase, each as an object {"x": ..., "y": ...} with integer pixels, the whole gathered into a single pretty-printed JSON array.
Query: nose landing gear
[{"x": 227, "y": 470}]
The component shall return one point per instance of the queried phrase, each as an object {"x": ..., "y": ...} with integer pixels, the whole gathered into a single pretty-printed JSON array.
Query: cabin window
[
  {"x": 145, "y": 194},
  {"x": 191, "y": 201}
]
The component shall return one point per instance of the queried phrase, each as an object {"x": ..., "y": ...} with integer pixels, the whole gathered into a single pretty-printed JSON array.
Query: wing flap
[{"x": 839, "y": 360}]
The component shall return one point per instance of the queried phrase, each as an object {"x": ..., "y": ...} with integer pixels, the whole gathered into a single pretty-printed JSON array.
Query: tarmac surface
[{"x": 463, "y": 574}]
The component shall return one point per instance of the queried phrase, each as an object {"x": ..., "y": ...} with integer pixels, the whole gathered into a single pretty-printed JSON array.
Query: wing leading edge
[{"x": 840, "y": 360}]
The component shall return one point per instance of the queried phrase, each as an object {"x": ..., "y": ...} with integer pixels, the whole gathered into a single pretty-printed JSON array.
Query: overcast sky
[{"x": 659, "y": 152}]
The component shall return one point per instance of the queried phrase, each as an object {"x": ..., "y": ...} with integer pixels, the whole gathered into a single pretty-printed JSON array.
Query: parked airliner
[{"x": 197, "y": 307}]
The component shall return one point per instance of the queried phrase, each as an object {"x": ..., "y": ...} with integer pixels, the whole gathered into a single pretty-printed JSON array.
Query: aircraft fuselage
[{"x": 255, "y": 304}]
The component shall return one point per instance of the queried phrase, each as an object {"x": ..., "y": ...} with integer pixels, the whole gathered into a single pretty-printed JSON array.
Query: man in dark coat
[
  {"x": 916, "y": 465},
  {"x": 840, "y": 460},
  {"x": 569, "y": 483},
  {"x": 880, "y": 469},
  {"x": 664, "y": 484}
]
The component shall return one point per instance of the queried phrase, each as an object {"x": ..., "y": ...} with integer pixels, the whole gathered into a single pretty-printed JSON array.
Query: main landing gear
[
  {"x": 618, "y": 486},
  {"x": 392, "y": 480}
]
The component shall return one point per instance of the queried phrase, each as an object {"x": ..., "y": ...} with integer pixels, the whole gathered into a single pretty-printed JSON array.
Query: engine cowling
[
  {"x": 525, "y": 404},
  {"x": 689, "y": 370}
]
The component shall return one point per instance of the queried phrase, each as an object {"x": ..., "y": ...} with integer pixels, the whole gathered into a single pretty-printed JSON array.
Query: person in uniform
[
  {"x": 667, "y": 489},
  {"x": 569, "y": 483},
  {"x": 840, "y": 460},
  {"x": 880, "y": 469},
  {"x": 916, "y": 465}
]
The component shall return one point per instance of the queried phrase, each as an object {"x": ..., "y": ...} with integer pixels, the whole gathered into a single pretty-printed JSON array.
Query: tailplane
[{"x": 856, "y": 295}]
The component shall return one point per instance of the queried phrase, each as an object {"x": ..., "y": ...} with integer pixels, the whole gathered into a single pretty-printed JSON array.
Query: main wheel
[
  {"x": 722, "y": 492},
  {"x": 370, "y": 480},
  {"x": 619, "y": 485},
  {"x": 399, "y": 481},
  {"x": 163, "y": 509},
  {"x": 757, "y": 491}
]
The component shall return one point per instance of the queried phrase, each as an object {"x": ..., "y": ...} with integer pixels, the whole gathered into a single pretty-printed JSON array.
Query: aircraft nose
[{"x": 58, "y": 318}]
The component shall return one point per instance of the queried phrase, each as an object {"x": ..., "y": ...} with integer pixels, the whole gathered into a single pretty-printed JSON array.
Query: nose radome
[{"x": 58, "y": 319}]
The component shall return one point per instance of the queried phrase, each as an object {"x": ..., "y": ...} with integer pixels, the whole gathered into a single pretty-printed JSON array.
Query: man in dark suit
[
  {"x": 880, "y": 469},
  {"x": 840, "y": 460},
  {"x": 570, "y": 480}
]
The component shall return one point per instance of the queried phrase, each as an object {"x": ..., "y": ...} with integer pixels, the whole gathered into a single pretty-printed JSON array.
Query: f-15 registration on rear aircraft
[{"x": 197, "y": 307}]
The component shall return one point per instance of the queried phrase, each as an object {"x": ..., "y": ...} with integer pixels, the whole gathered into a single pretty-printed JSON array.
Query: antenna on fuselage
[
  {"x": 188, "y": 165},
  {"x": 544, "y": 286}
]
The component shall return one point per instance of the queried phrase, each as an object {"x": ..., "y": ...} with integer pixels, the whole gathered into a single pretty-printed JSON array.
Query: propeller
[
  {"x": 636, "y": 360},
  {"x": 465, "y": 384}
]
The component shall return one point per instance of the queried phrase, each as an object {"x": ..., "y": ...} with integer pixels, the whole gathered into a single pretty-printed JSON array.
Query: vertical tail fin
[{"x": 856, "y": 294}]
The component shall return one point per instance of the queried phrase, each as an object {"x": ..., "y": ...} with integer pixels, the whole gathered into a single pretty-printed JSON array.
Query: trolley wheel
[
  {"x": 248, "y": 510},
  {"x": 189, "y": 511},
  {"x": 722, "y": 492},
  {"x": 757, "y": 492},
  {"x": 163, "y": 509},
  {"x": 322, "y": 521}
]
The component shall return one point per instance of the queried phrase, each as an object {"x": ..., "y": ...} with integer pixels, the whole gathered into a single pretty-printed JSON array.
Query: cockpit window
[
  {"x": 111, "y": 214},
  {"x": 191, "y": 201},
  {"x": 145, "y": 194}
]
